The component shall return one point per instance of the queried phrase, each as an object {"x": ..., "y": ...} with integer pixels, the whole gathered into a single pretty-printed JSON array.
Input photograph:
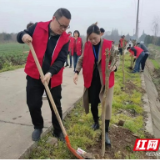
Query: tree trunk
[
  {"x": 123, "y": 63},
  {"x": 104, "y": 101}
]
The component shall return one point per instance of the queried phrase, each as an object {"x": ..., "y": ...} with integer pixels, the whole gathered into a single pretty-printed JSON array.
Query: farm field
[{"x": 12, "y": 56}]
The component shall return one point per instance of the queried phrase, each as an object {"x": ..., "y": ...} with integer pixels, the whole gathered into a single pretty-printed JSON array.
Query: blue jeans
[
  {"x": 138, "y": 62},
  {"x": 75, "y": 59},
  {"x": 70, "y": 57}
]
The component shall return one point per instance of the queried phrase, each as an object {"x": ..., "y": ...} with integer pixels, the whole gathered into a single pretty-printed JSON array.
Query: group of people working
[
  {"x": 52, "y": 45},
  {"x": 139, "y": 51}
]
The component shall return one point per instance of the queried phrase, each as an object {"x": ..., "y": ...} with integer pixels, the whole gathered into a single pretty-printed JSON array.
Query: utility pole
[{"x": 137, "y": 21}]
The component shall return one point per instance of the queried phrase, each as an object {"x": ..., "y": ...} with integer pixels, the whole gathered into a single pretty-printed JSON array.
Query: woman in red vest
[
  {"x": 93, "y": 63},
  {"x": 77, "y": 47},
  {"x": 138, "y": 54},
  {"x": 120, "y": 46},
  {"x": 70, "y": 50}
]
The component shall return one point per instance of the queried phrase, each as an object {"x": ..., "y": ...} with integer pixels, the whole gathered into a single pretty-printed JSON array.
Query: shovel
[{"x": 53, "y": 104}]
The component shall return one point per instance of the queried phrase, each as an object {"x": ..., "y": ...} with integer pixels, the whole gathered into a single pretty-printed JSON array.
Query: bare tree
[{"x": 155, "y": 27}]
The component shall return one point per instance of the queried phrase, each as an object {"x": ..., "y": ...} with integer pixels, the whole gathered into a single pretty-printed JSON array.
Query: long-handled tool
[
  {"x": 107, "y": 74},
  {"x": 53, "y": 104},
  {"x": 104, "y": 102}
]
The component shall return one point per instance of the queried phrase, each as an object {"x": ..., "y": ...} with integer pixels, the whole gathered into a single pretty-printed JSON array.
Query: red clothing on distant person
[
  {"x": 78, "y": 46},
  {"x": 71, "y": 45},
  {"x": 121, "y": 42},
  {"x": 138, "y": 49}
]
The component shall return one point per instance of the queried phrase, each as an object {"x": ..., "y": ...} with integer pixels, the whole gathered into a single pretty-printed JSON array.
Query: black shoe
[
  {"x": 107, "y": 140},
  {"x": 60, "y": 136},
  {"x": 95, "y": 126},
  {"x": 36, "y": 134},
  {"x": 66, "y": 65}
]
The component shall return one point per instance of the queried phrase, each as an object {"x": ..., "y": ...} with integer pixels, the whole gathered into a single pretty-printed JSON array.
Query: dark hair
[
  {"x": 70, "y": 32},
  {"x": 29, "y": 24},
  {"x": 62, "y": 12},
  {"x": 93, "y": 29},
  {"x": 76, "y": 31},
  {"x": 102, "y": 30},
  {"x": 128, "y": 48}
]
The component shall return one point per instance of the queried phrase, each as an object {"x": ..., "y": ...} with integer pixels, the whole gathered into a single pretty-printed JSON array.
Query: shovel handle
[{"x": 47, "y": 89}]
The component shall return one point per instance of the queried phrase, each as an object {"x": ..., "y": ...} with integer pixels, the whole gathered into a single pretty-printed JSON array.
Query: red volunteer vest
[
  {"x": 71, "y": 45},
  {"x": 139, "y": 51},
  {"x": 40, "y": 39},
  {"x": 121, "y": 42},
  {"x": 79, "y": 46},
  {"x": 89, "y": 60}
]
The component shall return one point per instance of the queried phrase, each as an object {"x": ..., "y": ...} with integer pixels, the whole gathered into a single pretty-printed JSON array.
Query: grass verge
[
  {"x": 155, "y": 63},
  {"x": 127, "y": 106}
]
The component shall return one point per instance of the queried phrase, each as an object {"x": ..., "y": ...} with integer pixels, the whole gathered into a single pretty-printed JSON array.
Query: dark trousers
[
  {"x": 93, "y": 92},
  {"x": 70, "y": 58},
  {"x": 35, "y": 91},
  {"x": 75, "y": 59},
  {"x": 94, "y": 110},
  {"x": 138, "y": 62},
  {"x": 120, "y": 51},
  {"x": 143, "y": 62}
]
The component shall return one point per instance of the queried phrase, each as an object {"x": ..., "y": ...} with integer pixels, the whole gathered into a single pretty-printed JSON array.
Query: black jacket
[
  {"x": 143, "y": 47},
  {"x": 134, "y": 50}
]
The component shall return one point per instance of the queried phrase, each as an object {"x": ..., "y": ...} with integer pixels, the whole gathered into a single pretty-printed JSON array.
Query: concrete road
[{"x": 15, "y": 122}]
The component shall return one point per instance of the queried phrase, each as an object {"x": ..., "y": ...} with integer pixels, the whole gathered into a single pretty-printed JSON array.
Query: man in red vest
[
  {"x": 50, "y": 42},
  {"x": 138, "y": 55},
  {"x": 70, "y": 50}
]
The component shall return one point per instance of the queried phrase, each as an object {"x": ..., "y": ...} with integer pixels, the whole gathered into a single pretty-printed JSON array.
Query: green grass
[
  {"x": 155, "y": 63},
  {"x": 12, "y": 56},
  {"x": 124, "y": 101},
  {"x": 154, "y": 47},
  {"x": 78, "y": 124},
  {"x": 10, "y": 68}
]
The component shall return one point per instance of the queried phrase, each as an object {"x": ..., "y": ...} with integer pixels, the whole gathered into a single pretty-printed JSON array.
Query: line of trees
[
  {"x": 6, "y": 37},
  {"x": 152, "y": 40},
  {"x": 155, "y": 28},
  {"x": 113, "y": 35}
]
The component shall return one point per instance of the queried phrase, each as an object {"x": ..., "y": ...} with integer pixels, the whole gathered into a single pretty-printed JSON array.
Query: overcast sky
[{"x": 110, "y": 14}]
